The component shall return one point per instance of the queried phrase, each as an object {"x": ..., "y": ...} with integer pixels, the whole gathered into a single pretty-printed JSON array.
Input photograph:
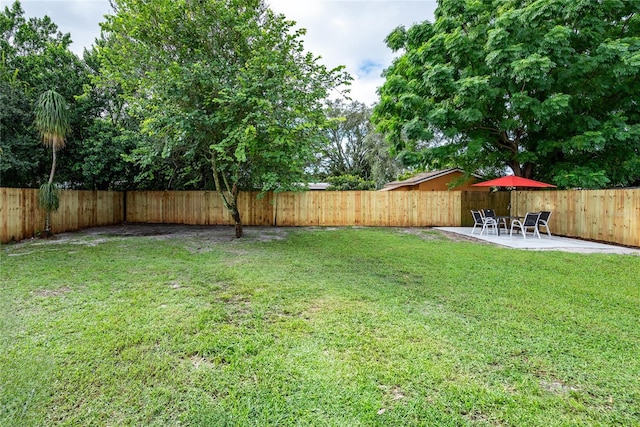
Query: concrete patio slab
[{"x": 545, "y": 243}]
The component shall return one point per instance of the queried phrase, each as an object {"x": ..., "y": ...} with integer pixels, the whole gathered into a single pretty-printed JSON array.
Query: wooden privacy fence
[
  {"x": 476, "y": 200},
  {"x": 311, "y": 208},
  {"x": 603, "y": 215},
  {"x": 21, "y": 217}
]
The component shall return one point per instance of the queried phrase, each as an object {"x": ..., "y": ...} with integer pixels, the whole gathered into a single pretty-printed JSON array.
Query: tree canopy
[
  {"x": 223, "y": 86},
  {"x": 547, "y": 88},
  {"x": 354, "y": 149},
  {"x": 52, "y": 122},
  {"x": 35, "y": 58}
]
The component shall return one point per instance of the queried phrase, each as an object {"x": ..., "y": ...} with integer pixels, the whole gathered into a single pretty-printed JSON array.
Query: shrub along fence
[{"x": 604, "y": 215}]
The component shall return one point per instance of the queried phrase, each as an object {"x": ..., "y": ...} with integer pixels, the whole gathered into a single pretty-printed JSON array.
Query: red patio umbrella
[{"x": 512, "y": 181}]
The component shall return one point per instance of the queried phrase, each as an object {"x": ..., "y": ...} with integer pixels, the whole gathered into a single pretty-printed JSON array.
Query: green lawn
[{"x": 347, "y": 327}]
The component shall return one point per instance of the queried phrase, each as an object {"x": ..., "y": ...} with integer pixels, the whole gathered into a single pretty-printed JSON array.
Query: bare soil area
[
  {"x": 216, "y": 233},
  {"x": 202, "y": 238}
]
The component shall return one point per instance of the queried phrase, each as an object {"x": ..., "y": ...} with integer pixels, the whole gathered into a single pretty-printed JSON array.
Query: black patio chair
[
  {"x": 484, "y": 222},
  {"x": 543, "y": 221},
  {"x": 530, "y": 222},
  {"x": 490, "y": 213}
]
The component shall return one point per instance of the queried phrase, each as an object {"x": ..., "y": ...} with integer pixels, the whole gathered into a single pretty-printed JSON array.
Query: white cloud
[
  {"x": 80, "y": 18},
  {"x": 352, "y": 33},
  {"x": 342, "y": 32}
]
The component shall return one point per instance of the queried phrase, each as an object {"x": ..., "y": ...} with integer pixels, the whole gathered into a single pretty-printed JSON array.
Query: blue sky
[
  {"x": 349, "y": 33},
  {"x": 369, "y": 68}
]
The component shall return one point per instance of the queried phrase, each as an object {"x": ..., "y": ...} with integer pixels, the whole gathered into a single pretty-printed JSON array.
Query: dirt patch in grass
[
  {"x": 427, "y": 233},
  {"x": 203, "y": 238},
  {"x": 213, "y": 233},
  {"x": 556, "y": 386},
  {"x": 198, "y": 238},
  {"x": 51, "y": 292}
]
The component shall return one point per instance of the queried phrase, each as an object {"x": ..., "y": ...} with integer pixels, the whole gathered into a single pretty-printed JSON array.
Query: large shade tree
[
  {"x": 354, "y": 148},
  {"x": 109, "y": 135},
  {"x": 221, "y": 83},
  {"x": 346, "y": 152},
  {"x": 547, "y": 88}
]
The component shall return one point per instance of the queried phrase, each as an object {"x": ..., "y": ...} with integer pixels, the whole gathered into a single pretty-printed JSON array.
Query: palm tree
[{"x": 52, "y": 122}]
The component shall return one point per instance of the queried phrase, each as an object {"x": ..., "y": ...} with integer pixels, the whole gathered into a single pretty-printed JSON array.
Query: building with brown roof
[{"x": 435, "y": 181}]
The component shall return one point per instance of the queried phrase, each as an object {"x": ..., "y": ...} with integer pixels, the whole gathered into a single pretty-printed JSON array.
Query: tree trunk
[
  {"x": 238, "y": 223},
  {"x": 47, "y": 219},
  {"x": 47, "y": 226},
  {"x": 527, "y": 171},
  {"x": 235, "y": 214},
  {"x": 230, "y": 200},
  {"x": 53, "y": 165}
]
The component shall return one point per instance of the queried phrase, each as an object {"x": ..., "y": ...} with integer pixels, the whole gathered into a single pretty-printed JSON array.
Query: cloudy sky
[{"x": 342, "y": 32}]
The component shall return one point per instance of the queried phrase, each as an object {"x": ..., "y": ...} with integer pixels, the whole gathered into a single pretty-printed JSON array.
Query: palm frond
[
  {"x": 49, "y": 197},
  {"x": 52, "y": 119}
]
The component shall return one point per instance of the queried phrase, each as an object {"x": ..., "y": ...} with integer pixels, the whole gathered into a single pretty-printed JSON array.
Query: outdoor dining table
[{"x": 507, "y": 218}]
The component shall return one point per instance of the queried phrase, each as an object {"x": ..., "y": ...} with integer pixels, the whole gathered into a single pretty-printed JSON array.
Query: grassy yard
[{"x": 347, "y": 327}]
